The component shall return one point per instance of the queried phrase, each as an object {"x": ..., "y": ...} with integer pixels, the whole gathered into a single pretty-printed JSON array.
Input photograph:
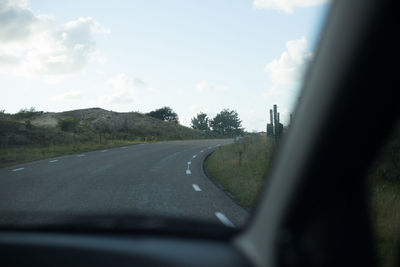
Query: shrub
[
  {"x": 28, "y": 124},
  {"x": 68, "y": 124},
  {"x": 26, "y": 113}
]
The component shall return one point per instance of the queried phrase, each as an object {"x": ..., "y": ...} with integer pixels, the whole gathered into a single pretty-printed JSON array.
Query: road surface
[{"x": 164, "y": 178}]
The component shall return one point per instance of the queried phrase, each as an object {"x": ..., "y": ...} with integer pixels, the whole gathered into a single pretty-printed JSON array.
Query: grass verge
[
  {"x": 385, "y": 205},
  {"x": 240, "y": 168},
  {"x": 14, "y": 155}
]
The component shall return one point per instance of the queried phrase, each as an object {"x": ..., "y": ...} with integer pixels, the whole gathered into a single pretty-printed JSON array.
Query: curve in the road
[{"x": 152, "y": 178}]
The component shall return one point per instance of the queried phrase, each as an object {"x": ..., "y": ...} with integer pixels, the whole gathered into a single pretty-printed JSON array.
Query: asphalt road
[{"x": 164, "y": 178}]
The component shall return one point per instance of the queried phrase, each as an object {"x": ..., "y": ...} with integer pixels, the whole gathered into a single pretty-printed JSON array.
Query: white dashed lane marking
[
  {"x": 81, "y": 155},
  {"x": 224, "y": 220},
  {"x": 18, "y": 169},
  {"x": 54, "y": 160},
  {"x": 103, "y": 151},
  {"x": 188, "y": 168},
  {"x": 196, "y": 187}
]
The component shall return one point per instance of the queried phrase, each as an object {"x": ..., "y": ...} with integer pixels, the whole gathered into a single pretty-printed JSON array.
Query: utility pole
[
  {"x": 270, "y": 126},
  {"x": 275, "y": 120},
  {"x": 275, "y": 127}
]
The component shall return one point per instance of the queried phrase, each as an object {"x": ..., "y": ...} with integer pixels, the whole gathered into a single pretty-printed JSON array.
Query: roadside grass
[
  {"x": 385, "y": 205},
  {"x": 15, "y": 155},
  {"x": 241, "y": 167},
  {"x": 384, "y": 193}
]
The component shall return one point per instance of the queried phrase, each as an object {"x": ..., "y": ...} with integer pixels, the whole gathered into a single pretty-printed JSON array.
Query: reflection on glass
[{"x": 143, "y": 108}]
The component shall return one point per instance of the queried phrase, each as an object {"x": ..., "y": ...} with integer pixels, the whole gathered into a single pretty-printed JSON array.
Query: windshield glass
[{"x": 146, "y": 108}]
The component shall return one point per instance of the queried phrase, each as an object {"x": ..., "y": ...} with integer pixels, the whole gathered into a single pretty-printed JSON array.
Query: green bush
[
  {"x": 26, "y": 113},
  {"x": 68, "y": 124}
]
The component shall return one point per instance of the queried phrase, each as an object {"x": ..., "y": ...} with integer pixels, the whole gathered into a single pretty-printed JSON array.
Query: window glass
[{"x": 146, "y": 108}]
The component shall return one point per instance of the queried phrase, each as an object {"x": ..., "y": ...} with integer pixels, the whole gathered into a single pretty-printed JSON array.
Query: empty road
[{"x": 160, "y": 178}]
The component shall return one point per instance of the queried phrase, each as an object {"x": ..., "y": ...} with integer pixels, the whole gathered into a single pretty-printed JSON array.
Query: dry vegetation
[
  {"x": 241, "y": 167},
  {"x": 31, "y": 135},
  {"x": 385, "y": 203},
  {"x": 21, "y": 154},
  {"x": 384, "y": 182}
]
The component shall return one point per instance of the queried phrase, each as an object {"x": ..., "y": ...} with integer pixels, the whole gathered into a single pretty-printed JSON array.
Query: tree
[
  {"x": 201, "y": 122},
  {"x": 227, "y": 123},
  {"x": 165, "y": 114}
]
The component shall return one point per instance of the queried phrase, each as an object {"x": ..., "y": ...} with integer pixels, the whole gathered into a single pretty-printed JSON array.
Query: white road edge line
[
  {"x": 224, "y": 220},
  {"x": 54, "y": 160},
  {"x": 17, "y": 169},
  {"x": 196, "y": 187}
]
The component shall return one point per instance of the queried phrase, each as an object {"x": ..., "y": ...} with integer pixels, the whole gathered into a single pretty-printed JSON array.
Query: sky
[{"x": 193, "y": 56}]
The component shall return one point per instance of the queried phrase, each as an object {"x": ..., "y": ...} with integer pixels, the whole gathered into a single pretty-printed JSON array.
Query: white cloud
[
  {"x": 203, "y": 87},
  {"x": 34, "y": 45},
  {"x": 15, "y": 3},
  {"x": 16, "y": 21},
  {"x": 70, "y": 95},
  {"x": 123, "y": 90},
  {"x": 287, "y": 71},
  {"x": 287, "y": 6}
]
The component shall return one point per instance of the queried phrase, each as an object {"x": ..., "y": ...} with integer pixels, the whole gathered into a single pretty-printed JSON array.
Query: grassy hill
[
  {"x": 30, "y": 135},
  {"x": 89, "y": 123}
]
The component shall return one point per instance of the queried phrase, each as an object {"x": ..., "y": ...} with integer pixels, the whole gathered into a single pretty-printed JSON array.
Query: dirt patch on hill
[{"x": 46, "y": 120}]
